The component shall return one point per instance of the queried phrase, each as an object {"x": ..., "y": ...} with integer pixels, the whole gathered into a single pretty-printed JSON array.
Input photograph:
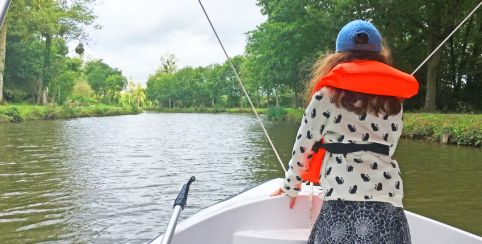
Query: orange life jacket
[{"x": 363, "y": 76}]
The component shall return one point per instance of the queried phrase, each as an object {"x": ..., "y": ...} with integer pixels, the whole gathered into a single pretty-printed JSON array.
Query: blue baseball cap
[{"x": 359, "y": 35}]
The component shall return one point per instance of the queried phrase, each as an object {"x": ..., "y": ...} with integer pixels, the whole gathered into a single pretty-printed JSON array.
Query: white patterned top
[{"x": 360, "y": 176}]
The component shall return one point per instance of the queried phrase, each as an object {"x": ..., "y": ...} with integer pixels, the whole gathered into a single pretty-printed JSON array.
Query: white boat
[{"x": 253, "y": 217}]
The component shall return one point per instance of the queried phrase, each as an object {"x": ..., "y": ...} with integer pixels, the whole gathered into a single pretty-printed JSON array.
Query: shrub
[{"x": 276, "y": 113}]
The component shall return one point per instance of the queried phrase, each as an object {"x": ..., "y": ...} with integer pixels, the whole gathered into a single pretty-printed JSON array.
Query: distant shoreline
[
  {"x": 456, "y": 129},
  {"x": 27, "y": 112}
]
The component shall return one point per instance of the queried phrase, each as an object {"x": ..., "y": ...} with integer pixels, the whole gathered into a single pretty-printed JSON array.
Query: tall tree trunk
[
  {"x": 276, "y": 97},
  {"x": 3, "y": 43},
  {"x": 46, "y": 67},
  {"x": 432, "y": 69},
  {"x": 295, "y": 100},
  {"x": 212, "y": 101}
]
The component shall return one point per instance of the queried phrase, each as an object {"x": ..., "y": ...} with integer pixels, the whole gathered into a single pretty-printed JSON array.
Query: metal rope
[
  {"x": 244, "y": 89},
  {"x": 443, "y": 42}
]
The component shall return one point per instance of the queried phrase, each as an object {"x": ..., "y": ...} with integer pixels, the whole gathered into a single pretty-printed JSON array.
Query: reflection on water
[{"x": 113, "y": 179}]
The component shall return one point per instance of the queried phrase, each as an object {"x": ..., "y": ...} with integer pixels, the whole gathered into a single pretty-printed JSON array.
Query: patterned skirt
[{"x": 360, "y": 222}]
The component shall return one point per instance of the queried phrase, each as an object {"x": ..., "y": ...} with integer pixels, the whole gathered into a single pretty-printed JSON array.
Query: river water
[{"x": 113, "y": 179}]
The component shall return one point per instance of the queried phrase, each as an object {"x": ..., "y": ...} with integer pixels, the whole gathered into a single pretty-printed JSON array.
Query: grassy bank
[
  {"x": 24, "y": 112},
  {"x": 463, "y": 129}
]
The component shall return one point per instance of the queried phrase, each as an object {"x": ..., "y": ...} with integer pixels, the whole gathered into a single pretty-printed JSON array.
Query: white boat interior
[{"x": 253, "y": 217}]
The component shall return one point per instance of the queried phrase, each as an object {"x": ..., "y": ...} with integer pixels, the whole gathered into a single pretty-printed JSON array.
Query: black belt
[{"x": 345, "y": 148}]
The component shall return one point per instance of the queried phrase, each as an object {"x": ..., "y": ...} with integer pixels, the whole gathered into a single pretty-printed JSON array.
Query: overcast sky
[{"x": 136, "y": 33}]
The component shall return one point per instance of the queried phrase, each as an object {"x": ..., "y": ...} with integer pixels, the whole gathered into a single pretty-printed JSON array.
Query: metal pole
[
  {"x": 171, "y": 227},
  {"x": 179, "y": 205},
  {"x": 4, "y": 4}
]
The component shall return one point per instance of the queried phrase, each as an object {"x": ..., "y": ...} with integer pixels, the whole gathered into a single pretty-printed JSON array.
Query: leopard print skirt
[{"x": 360, "y": 222}]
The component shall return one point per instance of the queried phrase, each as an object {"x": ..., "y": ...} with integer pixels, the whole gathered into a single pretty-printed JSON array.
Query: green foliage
[
  {"x": 276, "y": 113},
  {"x": 82, "y": 94},
  {"x": 18, "y": 113},
  {"x": 281, "y": 50},
  {"x": 135, "y": 96},
  {"x": 463, "y": 129},
  {"x": 97, "y": 73},
  {"x": 10, "y": 114},
  {"x": 38, "y": 31}
]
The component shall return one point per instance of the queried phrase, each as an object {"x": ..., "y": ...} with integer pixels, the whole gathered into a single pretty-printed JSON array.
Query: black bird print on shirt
[
  {"x": 327, "y": 114},
  {"x": 365, "y": 177},
  {"x": 365, "y": 137},
  {"x": 374, "y": 127},
  {"x": 374, "y": 166},
  {"x": 329, "y": 192},
  {"x": 338, "y": 119},
  {"x": 394, "y": 127},
  {"x": 349, "y": 168},
  {"x": 353, "y": 189},
  {"x": 363, "y": 116},
  {"x": 385, "y": 136},
  {"x": 313, "y": 114},
  {"x": 358, "y": 160},
  {"x": 379, "y": 187},
  {"x": 328, "y": 171},
  {"x": 309, "y": 135}
]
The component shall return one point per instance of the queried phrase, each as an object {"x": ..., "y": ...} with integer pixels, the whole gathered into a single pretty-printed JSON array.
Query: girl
[{"x": 355, "y": 114}]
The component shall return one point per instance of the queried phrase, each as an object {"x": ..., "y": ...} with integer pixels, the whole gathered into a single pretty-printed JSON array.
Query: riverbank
[
  {"x": 26, "y": 112},
  {"x": 459, "y": 129}
]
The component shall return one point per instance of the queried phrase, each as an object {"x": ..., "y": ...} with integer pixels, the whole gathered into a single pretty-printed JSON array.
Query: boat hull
[{"x": 255, "y": 217}]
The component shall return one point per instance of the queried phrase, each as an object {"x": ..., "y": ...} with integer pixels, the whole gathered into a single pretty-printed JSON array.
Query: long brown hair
[{"x": 356, "y": 102}]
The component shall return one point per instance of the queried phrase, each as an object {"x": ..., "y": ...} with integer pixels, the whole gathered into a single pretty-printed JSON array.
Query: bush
[
  {"x": 11, "y": 114},
  {"x": 82, "y": 94},
  {"x": 18, "y": 113},
  {"x": 276, "y": 113}
]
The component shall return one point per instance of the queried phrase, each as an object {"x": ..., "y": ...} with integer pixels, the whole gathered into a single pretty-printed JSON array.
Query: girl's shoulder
[{"x": 324, "y": 92}]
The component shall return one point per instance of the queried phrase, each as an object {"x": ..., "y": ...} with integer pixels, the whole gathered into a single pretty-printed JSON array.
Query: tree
[
  {"x": 106, "y": 81},
  {"x": 113, "y": 85},
  {"x": 50, "y": 19},
  {"x": 281, "y": 50},
  {"x": 168, "y": 64}
]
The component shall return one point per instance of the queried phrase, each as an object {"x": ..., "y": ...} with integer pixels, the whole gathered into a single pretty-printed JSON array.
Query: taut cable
[
  {"x": 244, "y": 89},
  {"x": 443, "y": 42}
]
